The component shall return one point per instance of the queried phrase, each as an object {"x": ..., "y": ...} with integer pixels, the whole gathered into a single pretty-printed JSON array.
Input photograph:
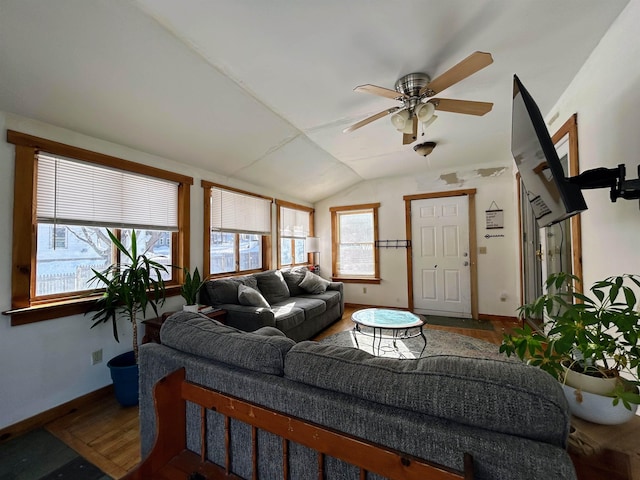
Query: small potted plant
[
  {"x": 190, "y": 288},
  {"x": 584, "y": 336},
  {"x": 128, "y": 289}
]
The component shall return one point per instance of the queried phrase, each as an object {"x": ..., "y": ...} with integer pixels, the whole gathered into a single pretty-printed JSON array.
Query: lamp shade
[
  {"x": 425, "y": 111},
  {"x": 400, "y": 119},
  {"x": 312, "y": 245}
]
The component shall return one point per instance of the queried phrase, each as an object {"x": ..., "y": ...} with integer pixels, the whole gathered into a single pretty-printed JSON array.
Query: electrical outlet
[
  {"x": 364, "y": 289},
  {"x": 96, "y": 357}
]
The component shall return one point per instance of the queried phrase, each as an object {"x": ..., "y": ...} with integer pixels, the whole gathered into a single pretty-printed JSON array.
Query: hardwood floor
[{"x": 107, "y": 434}]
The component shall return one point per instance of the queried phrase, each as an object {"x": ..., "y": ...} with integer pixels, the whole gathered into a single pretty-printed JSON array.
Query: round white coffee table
[{"x": 399, "y": 322}]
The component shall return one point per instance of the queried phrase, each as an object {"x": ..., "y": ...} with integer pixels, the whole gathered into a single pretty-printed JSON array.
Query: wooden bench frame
[{"x": 170, "y": 458}]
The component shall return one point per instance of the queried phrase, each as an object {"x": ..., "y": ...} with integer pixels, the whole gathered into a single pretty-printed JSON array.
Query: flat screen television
[{"x": 551, "y": 194}]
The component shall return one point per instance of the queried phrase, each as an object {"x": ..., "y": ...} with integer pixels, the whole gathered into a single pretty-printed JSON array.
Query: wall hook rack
[{"x": 393, "y": 243}]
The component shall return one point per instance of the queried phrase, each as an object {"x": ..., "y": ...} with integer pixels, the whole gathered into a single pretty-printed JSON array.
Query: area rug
[
  {"x": 438, "y": 343},
  {"x": 459, "y": 322},
  {"x": 39, "y": 455}
]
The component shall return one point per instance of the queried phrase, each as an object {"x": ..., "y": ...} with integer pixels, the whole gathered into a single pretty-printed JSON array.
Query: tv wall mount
[{"x": 613, "y": 178}]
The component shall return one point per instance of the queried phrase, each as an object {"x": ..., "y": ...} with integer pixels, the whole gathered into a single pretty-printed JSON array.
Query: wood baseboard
[
  {"x": 41, "y": 419},
  {"x": 498, "y": 318}
]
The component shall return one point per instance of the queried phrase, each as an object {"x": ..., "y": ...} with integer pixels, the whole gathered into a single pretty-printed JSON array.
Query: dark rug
[
  {"x": 459, "y": 322},
  {"x": 39, "y": 455},
  {"x": 438, "y": 343}
]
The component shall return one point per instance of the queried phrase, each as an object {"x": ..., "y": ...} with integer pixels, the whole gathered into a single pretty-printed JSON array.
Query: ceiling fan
[{"x": 415, "y": 91}]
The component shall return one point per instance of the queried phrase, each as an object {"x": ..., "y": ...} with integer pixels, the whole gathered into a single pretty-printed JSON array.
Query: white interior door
[{"x": 441, "y": 263}]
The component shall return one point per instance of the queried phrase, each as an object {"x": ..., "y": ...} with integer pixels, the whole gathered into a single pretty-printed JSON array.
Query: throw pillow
[
  {"x": 272, "y": 285},
  {"x": 313, "y": 283},
  {"x": 251, "y": 297},
  {"x": 293, "y": 277}
]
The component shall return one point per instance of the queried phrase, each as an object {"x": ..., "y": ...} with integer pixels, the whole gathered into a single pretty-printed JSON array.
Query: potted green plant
[
  {"x": 190, "y": 288},
  {"x": 128, "y": 288},
  {"x": 590, "y": 335}
]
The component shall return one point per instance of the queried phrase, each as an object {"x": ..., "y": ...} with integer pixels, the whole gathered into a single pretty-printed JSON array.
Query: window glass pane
[
  {"x": 65, "y": 267},
  {"x": 299, "y": 251},
  {"x": 286, "y": 255},
  {"x": 222, "y": 252},
  {"x": 356, "y": 254},
  {"x": 155, "y": 244},
  {"x": 250, "y": 252},
  {"x": 357, "y": 259}
]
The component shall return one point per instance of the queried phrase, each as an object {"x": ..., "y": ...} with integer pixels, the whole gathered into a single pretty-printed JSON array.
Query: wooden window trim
[
  {"x": 293, "y": 206},
  {"x": 206, "y": 241},
  {"x": 23, "y": 308},
  {"x": 375, "y": 279}
]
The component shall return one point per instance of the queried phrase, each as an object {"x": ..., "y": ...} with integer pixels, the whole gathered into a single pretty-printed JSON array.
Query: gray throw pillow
[
  {"x": 293, "y": 277},
  {"x": 272, "y": 285},
  {"x": 251, "y": 297},
  {"x": 313, "y": 283}
]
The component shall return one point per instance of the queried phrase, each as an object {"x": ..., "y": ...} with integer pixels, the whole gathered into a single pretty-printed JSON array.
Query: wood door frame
[{"x": 473, "y": 254}]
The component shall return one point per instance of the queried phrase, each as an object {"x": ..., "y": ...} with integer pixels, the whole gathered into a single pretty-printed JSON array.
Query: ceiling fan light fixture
[
  {"x": 425, "y": 148},
  {"x": 425, "y": 111},
  {"x": 400, "y": 120},
  {"x": 429, "y": 122}
]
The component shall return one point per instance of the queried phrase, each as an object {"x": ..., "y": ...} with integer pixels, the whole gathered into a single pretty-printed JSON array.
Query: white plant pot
[
  {"x": 588, "y": 383},
  {"x": 190, "y": 308},
  {"x": 597, "y": 408}
]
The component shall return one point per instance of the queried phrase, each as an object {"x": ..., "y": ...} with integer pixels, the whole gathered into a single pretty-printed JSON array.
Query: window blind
[
  {"x": 72, "y": 192},
  {"x": 236, "y": 212},
  {"x": 294, "y": 223}
]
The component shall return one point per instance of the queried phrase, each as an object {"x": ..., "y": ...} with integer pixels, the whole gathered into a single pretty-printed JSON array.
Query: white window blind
[
  {"x": 236, "y": 212},
  {"x": 72, "y": 192},
  {"x": 294, "y": 223}
]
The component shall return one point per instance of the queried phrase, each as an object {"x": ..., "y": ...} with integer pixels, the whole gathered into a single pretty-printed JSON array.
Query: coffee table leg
[
  {"x": 356, "y": 330},
  {"x": 425, "y": 340}
]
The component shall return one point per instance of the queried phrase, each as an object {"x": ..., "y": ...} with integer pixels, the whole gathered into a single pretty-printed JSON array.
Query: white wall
[
  {"x": 497, "y": 269},
  {"x": 606, "y": 96},
  {"x": 48, "y": 363}
]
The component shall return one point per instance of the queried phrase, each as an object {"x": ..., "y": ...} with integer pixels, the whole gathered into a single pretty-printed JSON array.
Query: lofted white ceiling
[{"x": 260, "y": 91}]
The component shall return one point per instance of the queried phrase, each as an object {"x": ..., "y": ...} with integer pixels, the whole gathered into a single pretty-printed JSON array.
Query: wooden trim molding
[
  {"x": 473, "y": 250},
  {"x": 207, "y": 184}
]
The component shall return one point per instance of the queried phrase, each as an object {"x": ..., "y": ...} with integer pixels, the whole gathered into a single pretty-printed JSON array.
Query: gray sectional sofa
[
  {"x": 295, "y": 301},
  {"x": 511, "y": 417}
]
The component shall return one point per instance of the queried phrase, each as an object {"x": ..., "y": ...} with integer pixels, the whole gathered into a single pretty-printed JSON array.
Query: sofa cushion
[
  {"x": 251, "y": 297},
  {"x": 313, "y": 283},
  {"x": 514, "y": 397},
  {"x": 311, "y": 307},
  {"x": 225, "y": 290},
  {"x": 272, "y": 286},
  {"x": 330, "y": 297},
  {"x": 197, "y": 334},
  {"x": 287, "y": 316},
  {"x": 293, "y": 277}
]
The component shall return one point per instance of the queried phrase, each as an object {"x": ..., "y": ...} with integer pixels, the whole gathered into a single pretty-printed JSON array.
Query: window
[
  {"x": 237, "y": 230},
  {"x": 79, "y": 195},
  {"x": 295, "y": 224},
  {"x": 354, "y": 231}
]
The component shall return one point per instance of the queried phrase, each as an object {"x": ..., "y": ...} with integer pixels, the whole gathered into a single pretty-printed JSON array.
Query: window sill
[
  {"x": 62, "y": 308},
  {"x": 367, "y": 280}
]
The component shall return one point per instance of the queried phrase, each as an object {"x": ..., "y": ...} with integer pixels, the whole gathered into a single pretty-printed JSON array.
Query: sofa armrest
[
  {"x": 248, "y": 318},
  {"x": 339, "y": 286}
]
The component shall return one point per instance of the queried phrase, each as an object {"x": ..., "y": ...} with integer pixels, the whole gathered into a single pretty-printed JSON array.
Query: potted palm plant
[
  {"x": 588, "y": 337},
  {"x": 190, "y": 288},
  {"x": 128, "y": 288}
]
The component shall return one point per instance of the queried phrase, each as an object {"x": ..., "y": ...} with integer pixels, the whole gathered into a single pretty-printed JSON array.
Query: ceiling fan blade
[
  {"x": 380, "y": 91},
  {"x": 467, "y": 67},
  {"x": 370, "y": 119},
  {"x": 408, "y": 138},
  {"x": 468, "y": 107}
]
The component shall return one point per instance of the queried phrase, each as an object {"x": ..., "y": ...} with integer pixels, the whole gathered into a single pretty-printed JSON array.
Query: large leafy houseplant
[
  {"x": 595, "y": 334},
  {"x": 130, "y": 287}
]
